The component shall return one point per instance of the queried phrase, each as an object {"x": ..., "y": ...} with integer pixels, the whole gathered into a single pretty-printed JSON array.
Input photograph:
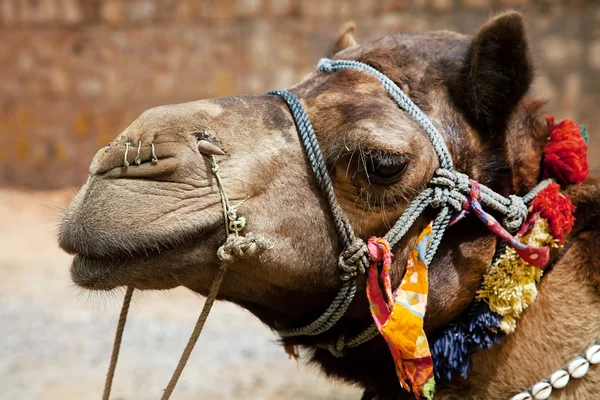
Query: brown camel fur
[{"x": 158, "y": 226}]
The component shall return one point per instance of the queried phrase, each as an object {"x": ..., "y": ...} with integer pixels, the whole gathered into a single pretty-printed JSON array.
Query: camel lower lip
[{"x": 95, "y": 274}]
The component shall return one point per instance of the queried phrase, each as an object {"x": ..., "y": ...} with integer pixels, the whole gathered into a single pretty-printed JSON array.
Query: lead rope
[
  {"x": 117, "y": 343},
  {"x": 210, "y": 299},
  {"x": 235, "y": 246}
]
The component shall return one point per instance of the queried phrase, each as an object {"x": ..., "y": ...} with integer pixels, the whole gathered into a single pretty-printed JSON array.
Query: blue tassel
[
  {"x": 476, "y": 331},
  {"x": 484, "y": 327},
  {"x": 450, "y": 353}
]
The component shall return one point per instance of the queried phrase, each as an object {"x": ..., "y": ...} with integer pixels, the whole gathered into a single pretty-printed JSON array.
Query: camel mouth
[
  {"x": 96, "y": 274},
  {"x": 107, "y": 273},
  {"x": 126, "y": 267}
]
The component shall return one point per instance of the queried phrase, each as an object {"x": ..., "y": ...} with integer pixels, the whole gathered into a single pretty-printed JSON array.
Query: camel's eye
[{"x": 384, "y": 168}]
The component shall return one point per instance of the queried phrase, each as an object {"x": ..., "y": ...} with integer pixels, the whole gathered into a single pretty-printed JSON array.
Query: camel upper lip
[{"x": 109, "y": 247}]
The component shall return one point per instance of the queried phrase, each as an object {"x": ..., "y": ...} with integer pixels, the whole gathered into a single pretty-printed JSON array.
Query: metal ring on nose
[
  {"x": 138, "y": 161},
  {"x": 125, "y": 162},
  {"x": 154, "y": 158}
]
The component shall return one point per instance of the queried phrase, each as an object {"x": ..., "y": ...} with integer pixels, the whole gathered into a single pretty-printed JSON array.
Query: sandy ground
[{"x": 55, "y": 340}]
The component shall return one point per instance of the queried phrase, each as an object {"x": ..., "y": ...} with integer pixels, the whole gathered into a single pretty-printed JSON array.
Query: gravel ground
[{"x": 56, "y": 339}]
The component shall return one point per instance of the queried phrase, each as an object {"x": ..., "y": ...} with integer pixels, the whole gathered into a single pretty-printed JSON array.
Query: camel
[{"x": 150, "y": 217}]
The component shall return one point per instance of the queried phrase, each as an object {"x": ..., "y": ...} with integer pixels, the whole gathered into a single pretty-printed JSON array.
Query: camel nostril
[{"x": 128, "y": 156}]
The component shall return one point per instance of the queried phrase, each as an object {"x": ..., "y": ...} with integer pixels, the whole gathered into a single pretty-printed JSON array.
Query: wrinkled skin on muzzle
[{"x": 157, "y": 225}]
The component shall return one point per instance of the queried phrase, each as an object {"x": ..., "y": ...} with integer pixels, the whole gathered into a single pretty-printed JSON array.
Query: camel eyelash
[{"x": 379, "y": 158}]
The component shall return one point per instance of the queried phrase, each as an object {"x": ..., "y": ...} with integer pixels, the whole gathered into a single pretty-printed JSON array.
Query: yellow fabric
[{"x": 403, "y": 329}]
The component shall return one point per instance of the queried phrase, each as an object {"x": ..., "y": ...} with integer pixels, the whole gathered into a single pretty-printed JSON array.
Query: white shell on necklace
[
  {"x": 577, "y": 368},
  {"x": 541, "y": 390},
  {"x": 593, "y": 354},
  {"x": 559, "y": 379}
]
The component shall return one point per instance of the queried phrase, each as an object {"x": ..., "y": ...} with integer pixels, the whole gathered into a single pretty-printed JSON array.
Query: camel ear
[
  {"x": 345, "y": 38},
  {"x": 497, "y": 73}
]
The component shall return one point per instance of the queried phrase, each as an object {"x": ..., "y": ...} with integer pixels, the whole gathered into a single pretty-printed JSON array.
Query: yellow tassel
[{"x": 510, "y": 287}]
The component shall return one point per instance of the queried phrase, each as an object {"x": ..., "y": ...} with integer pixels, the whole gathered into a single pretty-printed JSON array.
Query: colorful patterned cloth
[
  {"x": 399, "y": 315},
  {"x": 536, "y": 256}
]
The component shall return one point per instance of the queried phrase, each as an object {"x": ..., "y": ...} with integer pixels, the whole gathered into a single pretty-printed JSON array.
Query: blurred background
[{"x": 74, "y": 73}]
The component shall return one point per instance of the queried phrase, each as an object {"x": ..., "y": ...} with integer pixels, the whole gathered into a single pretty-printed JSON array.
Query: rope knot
[
  {"x": 338, "y": 348},
  {"x": 354, "y": 259},
  {"x": 236, "y": 247},
  {"x": 325, "y": 65},
  {"x": 448, "y": 188},
  {"x": 517, "y": 213}
]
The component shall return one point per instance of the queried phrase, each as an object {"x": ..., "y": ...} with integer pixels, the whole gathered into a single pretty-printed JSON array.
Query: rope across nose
[{"x": 237, "y": 247}]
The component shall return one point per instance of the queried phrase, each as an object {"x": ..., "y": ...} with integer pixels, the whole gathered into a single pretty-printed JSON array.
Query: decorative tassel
[
  {"x": 450, "y": 352},
  {"x": 484, "y": 327},
  {"x": 565, "y": 156},
  {"x": 557, "y": 209},
  {"x": 510, "y": 287}
]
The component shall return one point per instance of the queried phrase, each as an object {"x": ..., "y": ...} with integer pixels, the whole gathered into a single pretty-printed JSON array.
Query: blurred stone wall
[{"x": 77, "y": 72}]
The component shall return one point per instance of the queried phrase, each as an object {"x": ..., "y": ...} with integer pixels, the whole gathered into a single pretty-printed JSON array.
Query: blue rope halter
[{"x": 447, "y": 190}]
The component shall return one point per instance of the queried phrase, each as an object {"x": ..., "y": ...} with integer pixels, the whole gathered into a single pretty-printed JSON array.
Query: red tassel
[
  {"x": 565, "y": 156},
  {"x": 557, "y": 209}
]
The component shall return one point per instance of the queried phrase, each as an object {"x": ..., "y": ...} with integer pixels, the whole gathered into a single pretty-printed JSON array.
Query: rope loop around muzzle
[{"x": 236, "y": 247}]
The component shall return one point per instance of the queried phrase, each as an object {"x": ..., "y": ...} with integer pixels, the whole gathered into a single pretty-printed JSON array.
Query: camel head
[{"x": 158, "y": 225}]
